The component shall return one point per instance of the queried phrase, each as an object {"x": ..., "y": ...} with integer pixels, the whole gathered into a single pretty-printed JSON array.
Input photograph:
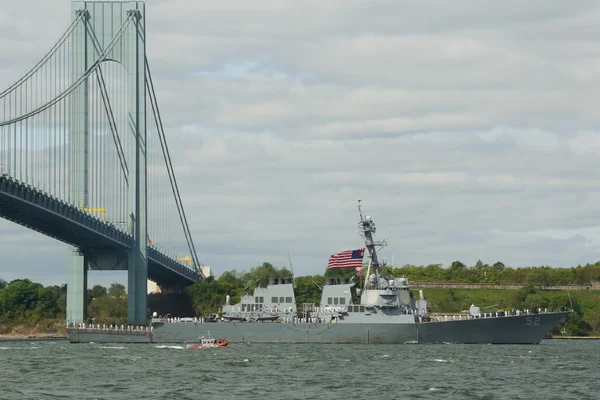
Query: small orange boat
[{"x": 208, "y": 343}]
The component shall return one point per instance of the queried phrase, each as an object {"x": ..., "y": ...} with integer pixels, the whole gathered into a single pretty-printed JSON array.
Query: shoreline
[{"x": 13, "y": 337}]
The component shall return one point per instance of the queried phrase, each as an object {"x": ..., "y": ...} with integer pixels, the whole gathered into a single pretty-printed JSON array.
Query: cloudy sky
[{"x": 469, "y": 129}]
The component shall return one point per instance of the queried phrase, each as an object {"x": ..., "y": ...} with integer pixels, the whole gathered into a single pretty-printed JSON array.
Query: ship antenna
[
  {"x": 367, "y": 230},
  {"x": 570, "y": 301},
  {"x": 292, "y": 269},
  {"x": 316, "y": 284},
  {"x": 359, "y": 210}
]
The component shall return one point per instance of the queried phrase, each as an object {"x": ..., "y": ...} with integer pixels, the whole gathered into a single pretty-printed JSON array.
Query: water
[{"x": 556, "y": 369}]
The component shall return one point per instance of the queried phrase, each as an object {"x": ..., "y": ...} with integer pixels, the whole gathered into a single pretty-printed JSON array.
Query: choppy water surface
[{"x": 553, "y": 370}]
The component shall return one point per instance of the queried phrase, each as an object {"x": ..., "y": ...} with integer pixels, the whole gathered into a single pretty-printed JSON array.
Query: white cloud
[{"x": 469, "y": 132}]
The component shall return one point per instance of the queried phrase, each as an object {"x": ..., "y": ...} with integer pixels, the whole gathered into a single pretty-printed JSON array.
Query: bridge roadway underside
[{"x": 34, "y": 209}]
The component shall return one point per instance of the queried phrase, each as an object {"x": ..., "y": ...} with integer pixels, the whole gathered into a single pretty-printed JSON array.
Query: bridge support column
[
  {"x": 78, "y": 169},
  {"x": 137, "y": 277},
  {"x": 137, "y": 288},
  {"x": 106, "y": 18},
  {"x": 76, "y": 287}
]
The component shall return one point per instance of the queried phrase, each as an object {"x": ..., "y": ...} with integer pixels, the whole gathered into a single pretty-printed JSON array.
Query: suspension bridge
[{"x": 84, "y": 158}]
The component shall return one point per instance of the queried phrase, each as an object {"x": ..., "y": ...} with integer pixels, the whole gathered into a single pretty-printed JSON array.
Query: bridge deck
[{"x": 35, "y": 209}]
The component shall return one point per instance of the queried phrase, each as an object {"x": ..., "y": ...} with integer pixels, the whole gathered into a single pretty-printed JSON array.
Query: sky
[{"x": 469, "y": 129}]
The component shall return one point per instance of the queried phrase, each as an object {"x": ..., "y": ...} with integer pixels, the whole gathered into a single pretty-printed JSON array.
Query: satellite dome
[{"x": 474, "y": 310}]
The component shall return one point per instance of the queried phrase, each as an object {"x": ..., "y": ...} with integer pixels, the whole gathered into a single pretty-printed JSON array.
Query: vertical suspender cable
[{"x": 169, "y": 165}]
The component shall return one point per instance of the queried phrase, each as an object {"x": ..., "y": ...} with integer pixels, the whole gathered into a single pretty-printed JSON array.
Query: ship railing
[
  {"x": 331, "y": 309},
  {"x": 493, "y": 314},
  {"x": 173, "y": 320},
  {"x": 104, "y": 328}
]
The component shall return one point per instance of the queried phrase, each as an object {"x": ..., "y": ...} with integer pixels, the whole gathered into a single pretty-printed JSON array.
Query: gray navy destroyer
[{"x": 387, "y": 313}]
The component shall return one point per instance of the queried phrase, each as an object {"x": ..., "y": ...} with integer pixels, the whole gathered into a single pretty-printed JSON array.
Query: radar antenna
[{"x": 366, "y": 229}]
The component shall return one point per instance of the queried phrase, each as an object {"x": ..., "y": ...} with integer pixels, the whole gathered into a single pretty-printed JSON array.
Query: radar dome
[
  {"x": 372, "y": 279},
  {"x": 473, "y": 310},
  {"x": 405, "y": 297},
  {"x": 368, "y": 217},
  {"x": 403, "y": 281},
  {"x": 155, "y": 314}
]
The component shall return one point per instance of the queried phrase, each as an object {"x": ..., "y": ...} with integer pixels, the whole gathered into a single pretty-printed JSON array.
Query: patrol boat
[{"x": 387, "y": 313}]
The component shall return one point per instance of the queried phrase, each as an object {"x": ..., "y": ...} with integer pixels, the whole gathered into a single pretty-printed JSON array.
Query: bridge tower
[{"x": 101, "y": 22}]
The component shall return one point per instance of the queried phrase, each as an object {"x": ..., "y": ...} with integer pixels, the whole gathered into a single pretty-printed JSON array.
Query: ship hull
[{"x": 524, "y": 329}]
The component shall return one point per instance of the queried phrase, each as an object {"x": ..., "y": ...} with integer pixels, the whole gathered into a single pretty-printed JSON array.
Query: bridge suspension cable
[
  {"x": 108, "y": 109},
  {"x": 169, "y": 165},
  {"x": 78, "y": 82},
  {"x": 44, "y": 59}
]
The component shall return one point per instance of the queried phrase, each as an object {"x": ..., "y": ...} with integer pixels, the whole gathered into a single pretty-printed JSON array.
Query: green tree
[
  {"x": 498, "y": 266},
  {"x": 48, "y": 301},
  {"x": 97, "y": 291},
  {"x": 457, "y": 266},
  {"x": 574, "y": 325},
  {"x": 20, "y": 298},
  {"x": 117, "y": 290},
  {"x": 308, "y": 289},
  {"x": 260, "y": 275},
  {"x": 208, "y": 296}
]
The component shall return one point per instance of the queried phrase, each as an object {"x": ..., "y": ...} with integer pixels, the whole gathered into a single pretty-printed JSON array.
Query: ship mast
[{"x": 366, "y": 228}]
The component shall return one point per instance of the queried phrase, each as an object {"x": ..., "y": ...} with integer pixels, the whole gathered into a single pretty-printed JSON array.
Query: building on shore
[
  {"x": 153, "y": 287},
  {"x": 206, "y": 270}
]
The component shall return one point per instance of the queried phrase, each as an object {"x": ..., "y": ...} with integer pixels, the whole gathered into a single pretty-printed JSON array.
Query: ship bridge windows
[
  {"x": 336, "y": 300},
  {"x": 355, "y": 308},
  {"x": 281, "y": 300}
]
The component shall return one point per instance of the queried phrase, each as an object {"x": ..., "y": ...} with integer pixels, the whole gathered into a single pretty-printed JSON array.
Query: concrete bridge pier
[{"x": 76, "y": 286}]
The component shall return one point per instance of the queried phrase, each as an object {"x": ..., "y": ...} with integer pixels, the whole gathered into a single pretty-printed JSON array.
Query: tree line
[
  {"x": 498, "y": 273},
  {"x": 24, "y": 301}
]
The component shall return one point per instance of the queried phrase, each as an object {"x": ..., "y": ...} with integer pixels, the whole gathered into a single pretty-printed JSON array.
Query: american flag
[{"x": 347, "y": 259}]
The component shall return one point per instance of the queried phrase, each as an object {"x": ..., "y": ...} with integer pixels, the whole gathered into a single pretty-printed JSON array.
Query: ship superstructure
[{"x": 276, "y": 300}]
